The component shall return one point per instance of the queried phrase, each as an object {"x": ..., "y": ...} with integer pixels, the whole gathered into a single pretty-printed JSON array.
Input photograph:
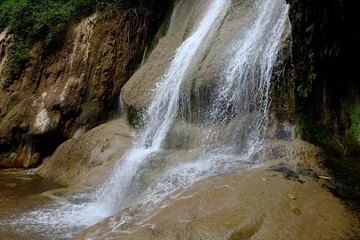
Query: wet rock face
[
  {"x": 200, "y": 81},
  {"x": 76, "y": 87},
  {"x": 138, "y": 91}
]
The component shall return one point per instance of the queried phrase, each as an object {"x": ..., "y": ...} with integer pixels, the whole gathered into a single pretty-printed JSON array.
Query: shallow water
[{"x": 18, "y": 196}]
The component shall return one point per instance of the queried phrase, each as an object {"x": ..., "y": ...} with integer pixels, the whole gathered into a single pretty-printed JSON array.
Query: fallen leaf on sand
[
  {"x": 292, "y": 196},
  {"x": 325, "y": 177},
  {"x": 297, "y": 211},
  {"x": 262, "y": 178}
]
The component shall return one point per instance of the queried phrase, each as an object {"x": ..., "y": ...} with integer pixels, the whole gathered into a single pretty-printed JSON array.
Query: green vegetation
[
  {"x": 332, "y": 49},
  {"x": 305, "y": 89},
  {"x": 134, "y": 117},
  {"x": 298, "y": 16},
  {"x": 41, "y": 20},
  {"x": 310, "y": 30},
  {"x": 8, "y": 158},
  {"x": 346, "y": 170},
  {"x": 355, "y": 121},
  {"x": 320, "y": 129},
  {"x": 12, "y": 99}
]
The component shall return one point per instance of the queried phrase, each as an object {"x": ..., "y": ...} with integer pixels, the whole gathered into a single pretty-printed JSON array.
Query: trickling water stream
[{"x": 233, "y": 129}]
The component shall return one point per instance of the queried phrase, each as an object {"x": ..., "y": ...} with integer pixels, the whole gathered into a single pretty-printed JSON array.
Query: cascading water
[
  {"x": 161, "y": 113},
  {"x": 236, "y": 117}
]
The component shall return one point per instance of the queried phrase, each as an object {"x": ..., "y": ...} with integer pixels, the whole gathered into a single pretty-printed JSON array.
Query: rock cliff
[{"x": 58, "y": 96}]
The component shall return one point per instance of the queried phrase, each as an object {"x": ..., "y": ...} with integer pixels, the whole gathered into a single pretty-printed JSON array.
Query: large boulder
[{"x": 87, "y": 159}]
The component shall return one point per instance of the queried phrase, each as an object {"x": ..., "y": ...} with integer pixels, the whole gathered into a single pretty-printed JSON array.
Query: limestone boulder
[{"x": 88, "y": 159}]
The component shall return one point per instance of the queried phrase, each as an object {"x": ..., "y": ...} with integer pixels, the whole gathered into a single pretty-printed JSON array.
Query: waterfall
[
  {"x": 161, "y": 113},
  {"x": 234, "y": 121},
  {"x": 237, "y": 115}
]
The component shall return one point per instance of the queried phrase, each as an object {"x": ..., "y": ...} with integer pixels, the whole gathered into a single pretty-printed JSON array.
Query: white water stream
[
  {"x": 161, "y": 113},
  {"x": 236, "y": 117}
]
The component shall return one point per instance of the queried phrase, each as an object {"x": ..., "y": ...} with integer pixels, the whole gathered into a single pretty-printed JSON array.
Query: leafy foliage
[
  {"x": 41, "y": 20},
  {"x": 320, "y": 129}
]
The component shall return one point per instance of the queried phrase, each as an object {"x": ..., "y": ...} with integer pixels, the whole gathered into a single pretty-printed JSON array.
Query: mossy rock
[
  {"x": 134, "y": 117},
  {"x": 31, "y": 177},
  {"x": 355, "y": 121}
]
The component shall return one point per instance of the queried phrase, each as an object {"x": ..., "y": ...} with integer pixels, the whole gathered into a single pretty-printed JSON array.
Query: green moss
[
  {"x": 332, "y": 49},
  {"x": 134, "y": 117},
  {"x": 11, "y": 185},
  {"x": 299, "y": 16},
  {"x": 355, "y": 121},
  {"x": 320, "y": 129},
  {"x": 14, "y": 116},
  {"x": 345, "y": 169},
  {"x": 7, "y": 156},
  {"x": 31, "y": 177},
  {"x": 161, "y": 32},
  {"x": 303, "y": 91},
  {"x": 106, "y": 65},
  {"x": 89, "y": 112},
  {"x": 12, "y": 99}
]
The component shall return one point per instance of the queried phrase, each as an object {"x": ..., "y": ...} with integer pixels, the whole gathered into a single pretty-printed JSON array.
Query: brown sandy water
[{"x": 17, "y": 196}]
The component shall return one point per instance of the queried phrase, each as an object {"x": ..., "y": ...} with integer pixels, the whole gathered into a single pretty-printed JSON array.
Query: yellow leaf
[
  {"x": 297, "y": 211},
  {"x": 262, "y": 178},
  {"x": 325, "y": 177},
  {"x": 292, "y": 196}
]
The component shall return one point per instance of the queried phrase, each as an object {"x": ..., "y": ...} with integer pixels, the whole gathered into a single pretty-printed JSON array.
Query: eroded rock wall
[{"x": 77, "y": 87}]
